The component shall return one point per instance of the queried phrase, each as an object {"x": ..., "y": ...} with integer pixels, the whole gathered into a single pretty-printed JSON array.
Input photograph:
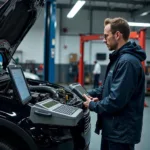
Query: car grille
[{"x": 87, "y": 120}]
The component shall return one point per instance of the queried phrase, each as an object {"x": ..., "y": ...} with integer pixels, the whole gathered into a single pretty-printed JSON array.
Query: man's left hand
[{"x": 88, "y": 100}]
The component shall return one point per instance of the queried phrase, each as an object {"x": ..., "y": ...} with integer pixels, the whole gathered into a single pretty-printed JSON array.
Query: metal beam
[
  {"x": 99, "y": 8},
  {"x": 124, "y": 2},
  {"x": 139, "y": 12}
]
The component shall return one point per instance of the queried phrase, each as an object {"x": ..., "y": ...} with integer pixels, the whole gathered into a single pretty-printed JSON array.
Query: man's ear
[{"x": 117, "y": 35}]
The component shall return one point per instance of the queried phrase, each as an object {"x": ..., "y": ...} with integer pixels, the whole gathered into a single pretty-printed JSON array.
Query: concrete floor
[{"x": 145, "y": 140}]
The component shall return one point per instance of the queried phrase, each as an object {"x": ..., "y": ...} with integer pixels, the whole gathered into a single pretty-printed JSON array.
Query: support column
[
  {"x": 81, "y": 63},
  {"x": 49, "y": 44},
  {"x": 142, "y": 42}
]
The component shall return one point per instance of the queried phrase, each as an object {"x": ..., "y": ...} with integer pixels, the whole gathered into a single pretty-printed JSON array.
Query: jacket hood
[
  {"x": 134, "y": 49},
  {"x": 131, "y": 48}
]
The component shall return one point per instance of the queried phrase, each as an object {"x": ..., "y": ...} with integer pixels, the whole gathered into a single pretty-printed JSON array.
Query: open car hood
[{"x": 16, "y": 18}]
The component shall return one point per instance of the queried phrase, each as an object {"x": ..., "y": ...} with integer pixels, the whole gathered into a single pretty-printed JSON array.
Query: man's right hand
[{"x": 94, "y": 99}]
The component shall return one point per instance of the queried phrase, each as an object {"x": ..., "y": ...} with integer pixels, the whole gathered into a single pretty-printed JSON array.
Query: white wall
[
  {"x": 79, "y": 24},
  {"x": 99, "y": 47},
  {"x": 33, "y": 44},
  {"x": 148, "y": 49}
]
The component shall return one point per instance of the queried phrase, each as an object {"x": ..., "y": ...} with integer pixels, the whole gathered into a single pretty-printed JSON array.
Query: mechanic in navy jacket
[{"x": 119, "y": 103}]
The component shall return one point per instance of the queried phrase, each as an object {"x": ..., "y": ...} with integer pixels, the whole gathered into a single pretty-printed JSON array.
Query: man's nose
[{"x": 104, "y": 40}]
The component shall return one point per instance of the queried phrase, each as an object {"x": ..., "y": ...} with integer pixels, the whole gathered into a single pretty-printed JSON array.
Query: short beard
[{"x": 114, "y": 47}]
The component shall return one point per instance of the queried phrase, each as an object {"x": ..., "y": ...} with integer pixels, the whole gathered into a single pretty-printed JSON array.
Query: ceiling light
[
  {"x": 139, "y": 24},
  {"x": 75, "y": 8},
  {"x": 144, "y": 13}
]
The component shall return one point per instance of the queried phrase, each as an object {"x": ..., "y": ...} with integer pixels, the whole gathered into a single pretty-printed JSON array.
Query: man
[
  {"x": 96, "y": 73},
  {"x": 120, "y": 102}
]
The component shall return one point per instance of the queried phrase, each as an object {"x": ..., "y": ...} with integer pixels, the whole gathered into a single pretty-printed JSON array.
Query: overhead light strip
[
  {"x": 78, "y": 5},
  {"x": 139, "y": 24},
  {"x": 144, "y": 13}
]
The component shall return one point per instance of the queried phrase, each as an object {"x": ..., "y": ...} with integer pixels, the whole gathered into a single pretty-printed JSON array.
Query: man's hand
[
  {"x": 88, "y": 100},
  {"x": 94, "y": 99}
]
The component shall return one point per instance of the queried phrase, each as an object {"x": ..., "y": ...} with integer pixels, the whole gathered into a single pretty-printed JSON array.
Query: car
[
  {"x": 27, "y": 125},
  {"x": 31, "y": 75}
]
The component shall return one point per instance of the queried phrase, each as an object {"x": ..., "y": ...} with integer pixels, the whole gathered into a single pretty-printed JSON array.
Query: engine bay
[{"x": 40, "y": 90}]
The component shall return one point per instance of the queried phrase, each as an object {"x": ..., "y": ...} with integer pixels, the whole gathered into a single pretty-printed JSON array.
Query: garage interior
[{"x": 65, "y": 33}]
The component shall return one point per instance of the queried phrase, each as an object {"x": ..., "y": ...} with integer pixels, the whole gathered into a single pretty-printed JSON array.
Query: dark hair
[{"x": 119, "y": 24}]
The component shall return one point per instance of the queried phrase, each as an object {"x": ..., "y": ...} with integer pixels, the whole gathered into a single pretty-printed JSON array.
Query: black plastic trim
[{"x": 20, "y": 132}]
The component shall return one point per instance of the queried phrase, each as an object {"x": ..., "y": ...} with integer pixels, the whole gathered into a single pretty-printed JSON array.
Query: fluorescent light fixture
[
  {"x": 144, "y": 13},
  {"x": 139, "y": 24},
  {"x": 75, "y": 8}
]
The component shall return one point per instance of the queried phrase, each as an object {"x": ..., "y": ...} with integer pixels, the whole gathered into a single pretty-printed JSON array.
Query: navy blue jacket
[{"x": 120, "y": 109}]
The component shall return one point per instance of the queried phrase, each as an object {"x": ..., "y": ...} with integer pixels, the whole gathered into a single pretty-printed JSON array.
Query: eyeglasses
[{"x": 106, "y": 36}]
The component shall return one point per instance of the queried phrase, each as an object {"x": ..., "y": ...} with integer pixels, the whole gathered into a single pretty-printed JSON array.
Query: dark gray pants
[
  {"x": 96, "y": 81},
  {"x": 109, "y": 145}
]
